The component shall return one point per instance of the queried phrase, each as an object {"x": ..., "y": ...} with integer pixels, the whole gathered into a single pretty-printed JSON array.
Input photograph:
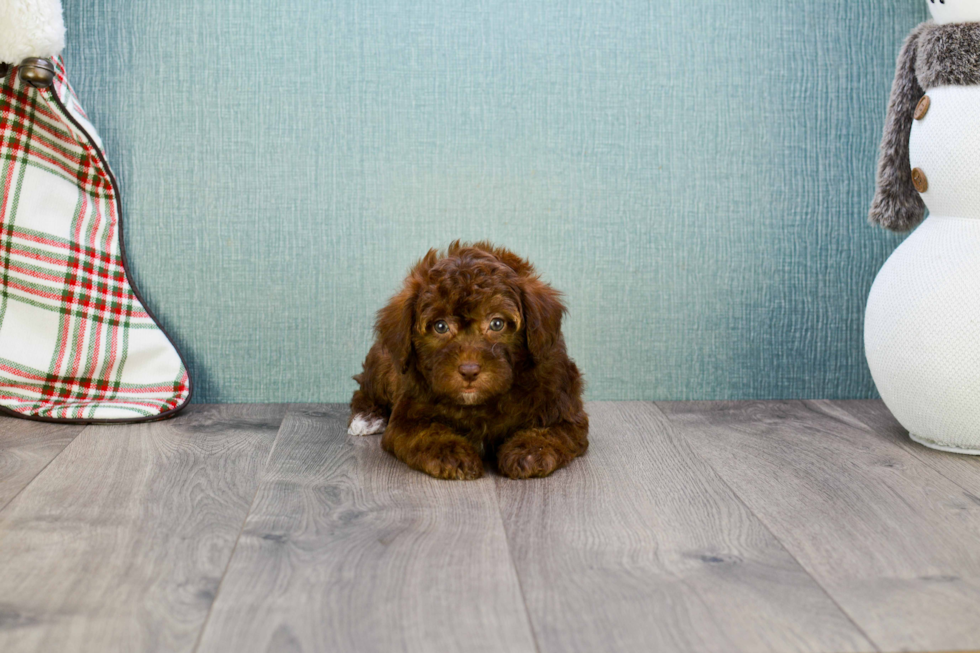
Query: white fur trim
[
  {"x": 30, "y": 28},
  {"x": 362, "y": 425}
]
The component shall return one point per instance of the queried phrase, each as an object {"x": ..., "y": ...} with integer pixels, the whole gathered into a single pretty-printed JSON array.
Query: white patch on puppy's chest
[{"x": 364, "y": 425}]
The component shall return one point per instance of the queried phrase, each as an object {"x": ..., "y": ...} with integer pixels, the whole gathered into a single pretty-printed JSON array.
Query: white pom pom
[{"x": 30, "y": 28}]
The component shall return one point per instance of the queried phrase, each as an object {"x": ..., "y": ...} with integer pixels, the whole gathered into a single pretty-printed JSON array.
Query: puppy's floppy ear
[
  {"x": 394, "y": 328},
  {"x": 396, "y": 320},
  {"x": 543, "y": 310}
]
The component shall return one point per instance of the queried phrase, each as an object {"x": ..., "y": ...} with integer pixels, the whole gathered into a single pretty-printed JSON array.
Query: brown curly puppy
[{"x": 469, "y": 357}]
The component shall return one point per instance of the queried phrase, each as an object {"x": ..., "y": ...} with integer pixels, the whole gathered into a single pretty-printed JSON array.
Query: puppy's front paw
[
  {"x": 366, "y": 424},
  {"x": 450, "y": 458},
  {"x": 528, "y": 456}
]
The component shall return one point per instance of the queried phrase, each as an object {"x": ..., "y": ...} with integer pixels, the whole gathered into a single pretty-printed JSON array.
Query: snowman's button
[
  {"x": 919, "y": 180},
  {"x": 922, "y": 108}
]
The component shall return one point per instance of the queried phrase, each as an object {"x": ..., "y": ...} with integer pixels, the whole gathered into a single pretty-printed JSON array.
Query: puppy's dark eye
[
  {"x": 441, "y": 327},
  {"x": 497, "y": 324}
]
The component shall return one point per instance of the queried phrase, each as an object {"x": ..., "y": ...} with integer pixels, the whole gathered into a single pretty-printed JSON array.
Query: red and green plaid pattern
[{"x": 75, "y": 340}]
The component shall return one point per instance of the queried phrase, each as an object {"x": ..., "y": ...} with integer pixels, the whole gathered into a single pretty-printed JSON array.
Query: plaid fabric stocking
[{"x": 76, "y": 341}]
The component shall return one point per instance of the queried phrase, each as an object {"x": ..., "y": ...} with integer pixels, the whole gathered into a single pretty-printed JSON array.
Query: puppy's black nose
[{"x": 469, "y": 371}]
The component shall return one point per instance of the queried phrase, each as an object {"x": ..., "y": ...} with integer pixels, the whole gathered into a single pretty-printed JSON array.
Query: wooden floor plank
[
  {"x": 26, "y": 447},
  {"x": 961, "y": 469},
  {"x": 893, "y": 541},
  {"x": 346, "y": 549},
  {"x": 640, "y": 546},
  {"x": 119, "y": 545}
]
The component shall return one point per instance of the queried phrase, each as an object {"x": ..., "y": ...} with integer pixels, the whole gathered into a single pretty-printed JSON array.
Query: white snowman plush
[{"x": 922, "y": 324}]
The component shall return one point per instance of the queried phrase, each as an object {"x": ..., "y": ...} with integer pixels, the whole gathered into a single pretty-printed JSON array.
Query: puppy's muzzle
[{"x": 469, "y": 371}]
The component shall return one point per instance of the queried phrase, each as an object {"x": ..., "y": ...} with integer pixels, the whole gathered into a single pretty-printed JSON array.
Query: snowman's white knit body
[{"x": 922, "y": 324}]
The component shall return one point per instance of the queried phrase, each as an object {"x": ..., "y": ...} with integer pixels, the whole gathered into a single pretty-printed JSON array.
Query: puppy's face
[
  {"x": 468, "y": 320},
  {"x": 466, "y": 349}
]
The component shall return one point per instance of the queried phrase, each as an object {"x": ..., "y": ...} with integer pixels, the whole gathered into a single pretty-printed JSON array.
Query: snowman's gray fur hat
[{"x": 933, "y": 55}]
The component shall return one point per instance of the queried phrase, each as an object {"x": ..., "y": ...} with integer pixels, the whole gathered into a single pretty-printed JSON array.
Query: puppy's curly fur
[{"x": 470, "y": 358}]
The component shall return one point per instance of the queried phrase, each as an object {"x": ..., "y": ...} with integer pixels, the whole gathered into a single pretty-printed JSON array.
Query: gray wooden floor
[{"x": 761, "y": 526}]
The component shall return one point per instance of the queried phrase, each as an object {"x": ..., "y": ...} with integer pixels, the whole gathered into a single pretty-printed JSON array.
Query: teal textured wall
[{"x": 694, "y": 175}]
